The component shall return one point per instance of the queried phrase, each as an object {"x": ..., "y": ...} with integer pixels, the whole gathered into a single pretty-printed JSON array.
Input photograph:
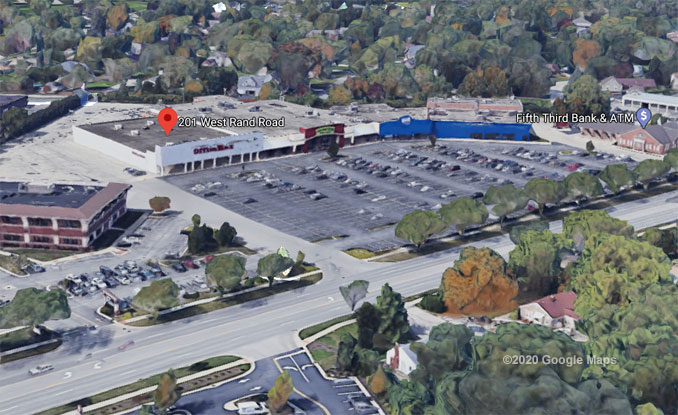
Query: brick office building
[
  {"x": 657, "y": 139},
  {"x": 58, "y": 216}
]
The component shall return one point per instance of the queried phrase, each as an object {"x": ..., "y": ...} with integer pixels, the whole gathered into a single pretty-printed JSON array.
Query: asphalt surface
[
  {"x": 360, "y": 204},
  {"x": 305, "y": 377},
  {"x": 255, "y": 330}
]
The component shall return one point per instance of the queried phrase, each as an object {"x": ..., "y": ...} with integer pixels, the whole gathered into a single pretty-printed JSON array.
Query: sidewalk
[
  {"x": 29, "y": 347},
  {"x": 130, "y": 395}
]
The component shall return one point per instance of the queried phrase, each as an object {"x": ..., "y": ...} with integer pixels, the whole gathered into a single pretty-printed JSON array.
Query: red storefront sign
[{"x": 311, "y": 133}]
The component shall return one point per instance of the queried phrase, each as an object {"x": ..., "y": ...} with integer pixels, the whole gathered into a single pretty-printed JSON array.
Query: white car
[
  {"x": 99, "y": 283},
  {"x": 379, "y": 198},
  {"x": 40, "y": 369}
]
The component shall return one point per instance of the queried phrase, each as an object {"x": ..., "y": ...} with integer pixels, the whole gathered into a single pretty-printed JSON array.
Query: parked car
[
  {"x": 190, "y": 264},
  {"x": 106, "y": 271},
  {"x": 34, "y": 268},
  {"x": 178, "y": 267},
  {"x": 477, "y": 195},
  {"x": 40, "y": 369},
  {"x": 146, "y": 273},
  {"x": 110, "y": 282}
]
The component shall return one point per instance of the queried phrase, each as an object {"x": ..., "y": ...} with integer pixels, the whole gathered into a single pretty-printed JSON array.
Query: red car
[
  {"x": 190, "y": 264},
  {"x": 126, "y": 345},
  {"x": 573, "y": 167},
  {"x": 455, "y": 167}
]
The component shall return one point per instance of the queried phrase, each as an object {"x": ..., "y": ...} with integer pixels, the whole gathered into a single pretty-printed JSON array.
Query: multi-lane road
[{"x": 255, "y": 330}]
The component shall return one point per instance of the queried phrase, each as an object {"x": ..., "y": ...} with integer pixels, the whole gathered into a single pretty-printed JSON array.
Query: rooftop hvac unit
[
  {"x": 117, "y": 127},
  {"x": 134, "y": 132},
  {"x": 35, "y": 188}
]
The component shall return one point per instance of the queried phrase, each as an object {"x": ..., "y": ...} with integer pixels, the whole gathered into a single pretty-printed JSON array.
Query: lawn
[
  {"x": 229, "y": 301},
  {"x": 10, "y": 264},
  {"x": 24, "y": 337},
  {"x": 152, "y": 381},
  {"x": 324, "y": 350},
  {"x": 43, "y": 255},
  {"x": 31, "y": 352},
  {"x": 360, "y": 253},
  {"x": 310, "y": 331}
]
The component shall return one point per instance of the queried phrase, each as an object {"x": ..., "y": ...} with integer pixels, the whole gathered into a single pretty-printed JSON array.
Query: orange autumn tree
[
  {"x": 478, "y": 284},
  {"x": 584, "y": 50}
]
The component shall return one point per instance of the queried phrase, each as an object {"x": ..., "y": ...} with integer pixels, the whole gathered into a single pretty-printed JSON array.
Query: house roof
[
  {"x": 252, "y": 81},
  {"x": 642, "y": 82},
  {"x": 580, "y": 21},
  {"x": 662, "y": 133},
  {"x": 405, "y": 349},
  {"x": 9, "y": 99},
  {"x": 559, "y": 305},
  {"x": 608, "y": 127}
]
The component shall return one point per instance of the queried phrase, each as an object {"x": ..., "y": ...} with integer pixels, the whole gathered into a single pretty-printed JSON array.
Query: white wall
[
  {"x": 135, "y": 158},
  {"x": 185, "y": 152}
]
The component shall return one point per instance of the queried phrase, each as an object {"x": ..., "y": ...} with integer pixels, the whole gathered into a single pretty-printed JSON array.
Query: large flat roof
[
  {"x": 652, "y": 98},
  {"x": 149, "y": 133},
  {"x": 67, "y": 201},
  {"x": 8, "y": 99}
]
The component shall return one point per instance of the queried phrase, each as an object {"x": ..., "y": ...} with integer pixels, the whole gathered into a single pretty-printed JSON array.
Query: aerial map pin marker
[
  {"x": 167, "y": 118},
  {"x": 643, "y": 115}
]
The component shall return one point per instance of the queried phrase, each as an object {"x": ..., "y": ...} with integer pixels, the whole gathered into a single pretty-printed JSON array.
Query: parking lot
[{"x": 360, "y": 194}]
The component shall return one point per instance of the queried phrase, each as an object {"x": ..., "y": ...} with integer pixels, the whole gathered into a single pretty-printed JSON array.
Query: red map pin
[{"x": 167, "y": 118}]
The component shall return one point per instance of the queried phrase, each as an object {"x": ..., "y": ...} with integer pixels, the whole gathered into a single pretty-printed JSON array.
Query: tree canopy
[{"x": 31, "y": 306}]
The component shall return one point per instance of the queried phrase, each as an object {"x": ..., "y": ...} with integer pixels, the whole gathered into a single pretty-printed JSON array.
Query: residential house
[
  {"x": 582, "y": 25},
  {"x": 554, "y": 311},
  {"x": 674, "y": 80},
  {"x": 411, "y": 53},
  {"x": 611, "y": 85},
  {"x": 250, "y": 85},
  {"x": 332, "y": 35},
  {"x": 402, "y": 359},
  {"x": 616, "y": 85},
  {"x": 217, "y": 59}
]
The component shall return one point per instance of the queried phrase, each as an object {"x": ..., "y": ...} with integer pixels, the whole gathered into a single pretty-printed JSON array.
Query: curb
[{"x": 130, "y": 395}]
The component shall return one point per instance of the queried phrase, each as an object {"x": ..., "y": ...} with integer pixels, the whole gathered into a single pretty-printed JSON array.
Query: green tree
[
  {"x": 196, "y": 219},
  {"x": 584, "y": 96},
  {"x": 666, "y": 239},
  {"x": 433, "y": 302},
  {"x": 611, "y": 269},
  {"x": 201, "y": 240},
  {"x": 273, "y": 265},
  {"x": 354, "y": 292},
  {"x": 280, "y": 392},
  {"x": 161, "y": 294},
  {"x": 580, "y": 185},
  {"x": 159, "y": 203},
  {"x": 217, "y": 79},
  {"x": 225, "y": 272},
  {"x": 226, "y": 234},
  {"x": 648, "y": 170},
  {"x": 590, "y": 147},
  {"x": 13, "y": 123},
  {"x": 393, "y": 316},
  {"x": 617, "y": 176},
  {"x": 31, "y": 306},
  {"x": 418, "y": 226},
  {"x": 333, "y": 149},
  {"x": 535, "y": 261},
  {"x": 462, "y": 212},
  {"x": 379, "y": 382},
  {"x": 671, "y": 157},
  {"x": 641, "y": 338},
  {"x": 447, "y": 349},
  {"x": 518, "y": 230},
  {"x": 589, "y": 222},
  {"x": 167, "y": 392},
  {"x": 545, "y": 191},
  {"x": 506, "y": 199},
  {"x": 345, "y": 353},
  {"x": 339, "y": 95},
  {"x": 368, "y": 322}
]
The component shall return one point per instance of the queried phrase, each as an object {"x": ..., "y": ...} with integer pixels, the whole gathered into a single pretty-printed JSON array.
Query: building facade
[
  {"x": 658, "y": 104},
  {"x": 58, "y": 216},
  {"x": 402, "y": 359},
  {"x": 656, "y": 139}
]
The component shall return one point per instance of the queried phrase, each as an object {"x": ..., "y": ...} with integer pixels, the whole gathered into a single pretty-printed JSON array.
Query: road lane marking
[
  {"x": 9, "y": 409},
  {"x": 67, "y": 375},
  {"x": 64, "y": 392}
]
